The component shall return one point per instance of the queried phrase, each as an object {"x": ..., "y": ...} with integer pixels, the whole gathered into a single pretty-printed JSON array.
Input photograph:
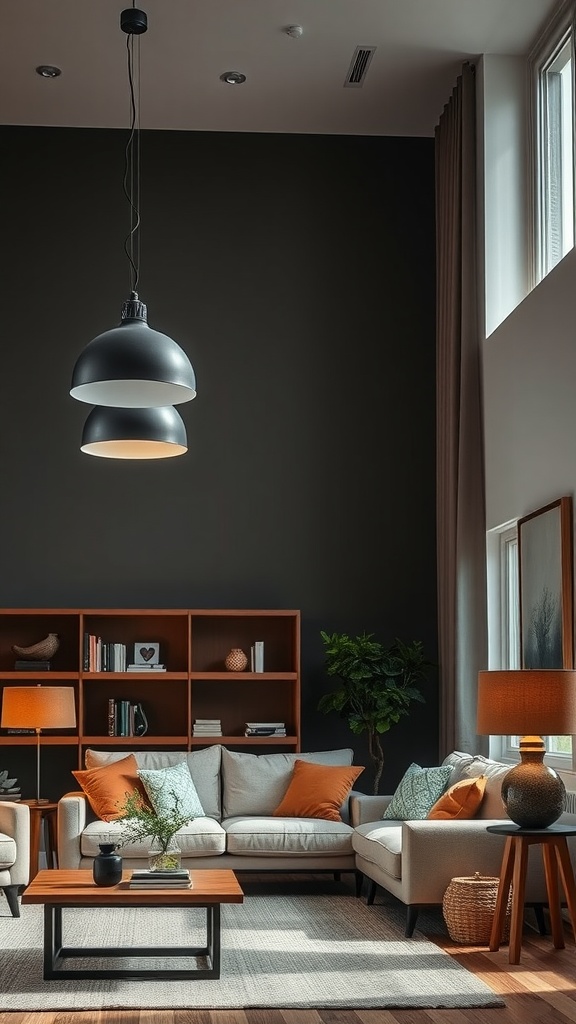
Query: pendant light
[
  {"x": 134, "y": 433},
  {"x": 131, "y": 365}
]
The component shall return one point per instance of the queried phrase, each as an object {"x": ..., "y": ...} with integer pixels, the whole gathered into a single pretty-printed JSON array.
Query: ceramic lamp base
[{"x": 532, "y": 792}]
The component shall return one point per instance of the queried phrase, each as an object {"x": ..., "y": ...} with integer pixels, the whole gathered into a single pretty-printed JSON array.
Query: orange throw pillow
[
  {"x": 317, "y": 791},
  {"x": 107, "y": 787},
  {"x": 462, "y": 800}
]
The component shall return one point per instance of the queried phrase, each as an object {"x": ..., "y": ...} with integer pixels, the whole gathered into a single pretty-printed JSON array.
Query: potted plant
[
  {"x": 377, "y": 685},
  {"x": 140, "y": 822}
]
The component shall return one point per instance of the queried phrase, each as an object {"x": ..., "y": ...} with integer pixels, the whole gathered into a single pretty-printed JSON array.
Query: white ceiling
[{"x": 293, "y": 85}]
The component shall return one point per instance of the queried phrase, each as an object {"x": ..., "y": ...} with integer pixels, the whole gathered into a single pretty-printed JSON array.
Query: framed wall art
[{"x": 545, "y": 562}]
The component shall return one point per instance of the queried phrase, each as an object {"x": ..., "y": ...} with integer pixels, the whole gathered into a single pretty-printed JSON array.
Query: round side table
[
  {"x": 557, "y": 867},
  {"x": 40, "y": 815}
]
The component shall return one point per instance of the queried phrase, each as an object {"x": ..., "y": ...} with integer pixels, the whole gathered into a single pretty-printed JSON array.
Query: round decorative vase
[
  {"x": 107, "y": 867},
  {"x": 164, "y": 860},
  {"x": 236, "y": 660}
]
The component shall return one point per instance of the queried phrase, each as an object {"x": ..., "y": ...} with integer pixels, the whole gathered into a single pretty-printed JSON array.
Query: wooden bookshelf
[{"x": 193, "y": 646}]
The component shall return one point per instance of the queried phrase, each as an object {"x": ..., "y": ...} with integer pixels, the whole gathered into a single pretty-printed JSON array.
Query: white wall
[
  {"x": 530, "y": 400},
  {"x": 503, "y": 179}
]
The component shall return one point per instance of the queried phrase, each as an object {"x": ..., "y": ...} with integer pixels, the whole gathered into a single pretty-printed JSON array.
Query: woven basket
[{"x": 468, "y": 907}]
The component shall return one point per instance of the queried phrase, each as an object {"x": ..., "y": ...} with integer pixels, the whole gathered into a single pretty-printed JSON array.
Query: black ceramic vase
[{"x": 107, "y": 868}]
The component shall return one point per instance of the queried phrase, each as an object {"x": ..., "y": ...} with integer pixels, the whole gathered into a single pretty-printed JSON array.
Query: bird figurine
[{"x": 41, "y": 651}]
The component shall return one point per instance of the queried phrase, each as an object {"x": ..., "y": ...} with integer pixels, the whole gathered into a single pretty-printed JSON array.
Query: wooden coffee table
[{"x": 56, "y": 889}]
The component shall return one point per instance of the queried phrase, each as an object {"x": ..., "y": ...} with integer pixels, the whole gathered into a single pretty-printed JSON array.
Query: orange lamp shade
[
  {"x": 38, "y": 707},
  {"x": 521, "y": 702}
]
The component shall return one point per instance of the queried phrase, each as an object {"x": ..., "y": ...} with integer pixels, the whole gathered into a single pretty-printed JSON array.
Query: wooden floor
[{"x": 541, "y": 989}]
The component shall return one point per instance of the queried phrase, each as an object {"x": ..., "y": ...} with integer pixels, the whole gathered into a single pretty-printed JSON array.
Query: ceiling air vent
[{"x": 359, "y": 66}]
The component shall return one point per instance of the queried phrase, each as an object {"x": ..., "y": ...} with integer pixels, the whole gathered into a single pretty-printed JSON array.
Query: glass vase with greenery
[
  {"x": 377, "y": 685},
  {"x": 140, "y": 822}
]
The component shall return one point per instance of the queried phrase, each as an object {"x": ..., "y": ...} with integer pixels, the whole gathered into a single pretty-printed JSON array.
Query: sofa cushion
[
  {"x": 202, "y": 837},
  {"x": 108, "y": 786},
  {"x": 317, "y": 790},
  {"x": 492, "y": 805},
  {"x": 171, "y": 790},
  {"x": 458, "y": 761},
  {"x": 418, "y": 789},
  {"x": 462, "y": 800},
  {"x": 204, "y": 767},
  {"x": 380, "y": 843},
  {"x": 280, "y": 837},
  {"x": 7, "y": 851},
  {"x": 256, "y": 783}
]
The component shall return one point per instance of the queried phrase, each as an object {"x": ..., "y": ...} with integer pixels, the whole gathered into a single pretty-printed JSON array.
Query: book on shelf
[
  {"x": 20, "y": 665},
  {"x": 101, "y": 656},
  {"x": 145, "y": 668},
  {"x": 265, "y": 725},
  {"x": 265, "y": 732},
  {"x": 258, "y": 656},
  {"x": 207, "y": 727},
  {"x": 126, "y": 719}
]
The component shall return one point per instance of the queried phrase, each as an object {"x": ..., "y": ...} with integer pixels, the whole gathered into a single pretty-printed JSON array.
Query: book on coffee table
[
  {"x": 142, "y": 879},
  {"x": 178, "y": 879},
  {"x": 165, "y": 884}
]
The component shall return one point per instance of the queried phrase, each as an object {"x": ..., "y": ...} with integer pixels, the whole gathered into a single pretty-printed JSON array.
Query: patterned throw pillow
[
  {"x": 172, "y": 789},
  {"x": 417, "y": 792}
]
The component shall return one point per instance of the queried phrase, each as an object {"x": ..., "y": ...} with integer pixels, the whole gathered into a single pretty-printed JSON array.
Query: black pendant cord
[{"x": 131, "y": 182}]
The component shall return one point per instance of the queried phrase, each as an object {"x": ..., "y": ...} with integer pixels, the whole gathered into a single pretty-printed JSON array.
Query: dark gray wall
[{"x": 298, "y": 273}]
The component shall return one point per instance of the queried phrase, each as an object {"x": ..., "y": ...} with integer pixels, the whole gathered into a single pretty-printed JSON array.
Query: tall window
[
  {"x": 504, "y": 595},
  {"x": 552, "y": 66}
]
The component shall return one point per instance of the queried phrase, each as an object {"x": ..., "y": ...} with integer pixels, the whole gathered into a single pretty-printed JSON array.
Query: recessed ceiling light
[
  {"x": 233, "y": 78},
  {"x": 48, "y": 71}
]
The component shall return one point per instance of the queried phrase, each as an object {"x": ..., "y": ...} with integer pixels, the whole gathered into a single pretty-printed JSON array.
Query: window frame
[
  {"x": 504, "y": 616},
  {"x": 560, "y": 32}
]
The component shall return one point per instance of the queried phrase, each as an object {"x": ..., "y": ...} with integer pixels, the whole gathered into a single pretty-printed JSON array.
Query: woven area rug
[{"x": 277, "y": 951}]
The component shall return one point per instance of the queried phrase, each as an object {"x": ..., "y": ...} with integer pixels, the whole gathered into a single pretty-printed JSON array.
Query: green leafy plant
[
  {"x": 377, "y": 685},
  {"x": 140, "y": 822}
]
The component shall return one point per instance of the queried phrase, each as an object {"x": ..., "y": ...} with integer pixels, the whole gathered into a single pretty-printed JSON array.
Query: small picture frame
[{"x": 146, "y": 652}]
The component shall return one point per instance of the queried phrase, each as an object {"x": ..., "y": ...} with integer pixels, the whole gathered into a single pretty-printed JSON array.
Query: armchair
[{"x": 14, "y": 851}]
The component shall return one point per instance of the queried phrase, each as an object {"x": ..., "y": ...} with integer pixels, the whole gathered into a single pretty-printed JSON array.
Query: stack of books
[
  {"x": 265, "y": 729},
  {"x": 207, "y": 727},
  {"x": 142, "y": 879}
]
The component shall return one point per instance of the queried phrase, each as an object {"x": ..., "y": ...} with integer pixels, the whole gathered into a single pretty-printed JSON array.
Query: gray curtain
[{"x": 461, "y": 529}]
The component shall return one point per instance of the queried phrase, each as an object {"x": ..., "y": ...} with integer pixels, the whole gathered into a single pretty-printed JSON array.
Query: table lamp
[
  {"x": 529, "y": 703},
  {"x": 38, "y": 707}
]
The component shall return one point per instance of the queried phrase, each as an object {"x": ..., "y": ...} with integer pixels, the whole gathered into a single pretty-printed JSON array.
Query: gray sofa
[
  {"x": 238, "y": 792},
  {"x": 415, "y": 860}
]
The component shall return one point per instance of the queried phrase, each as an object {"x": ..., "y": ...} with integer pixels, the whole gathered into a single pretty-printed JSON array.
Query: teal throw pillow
[
  {"x": 417, "y": 792},
  {"x": 172, "y": 789}
]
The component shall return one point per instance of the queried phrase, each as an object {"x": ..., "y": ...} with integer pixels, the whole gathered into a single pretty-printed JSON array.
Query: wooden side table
[
  {"x": 514, "y": 867},
  {"x": 42, "y": 815}
]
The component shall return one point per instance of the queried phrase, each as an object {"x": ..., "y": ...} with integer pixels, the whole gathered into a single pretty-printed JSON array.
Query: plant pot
[
  {"x": 164, "y": 860},
  {"x": 107, "y": 867}
]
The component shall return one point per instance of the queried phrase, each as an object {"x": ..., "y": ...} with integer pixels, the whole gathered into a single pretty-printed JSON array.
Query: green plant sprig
[{"x": 140, "y": 822}]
